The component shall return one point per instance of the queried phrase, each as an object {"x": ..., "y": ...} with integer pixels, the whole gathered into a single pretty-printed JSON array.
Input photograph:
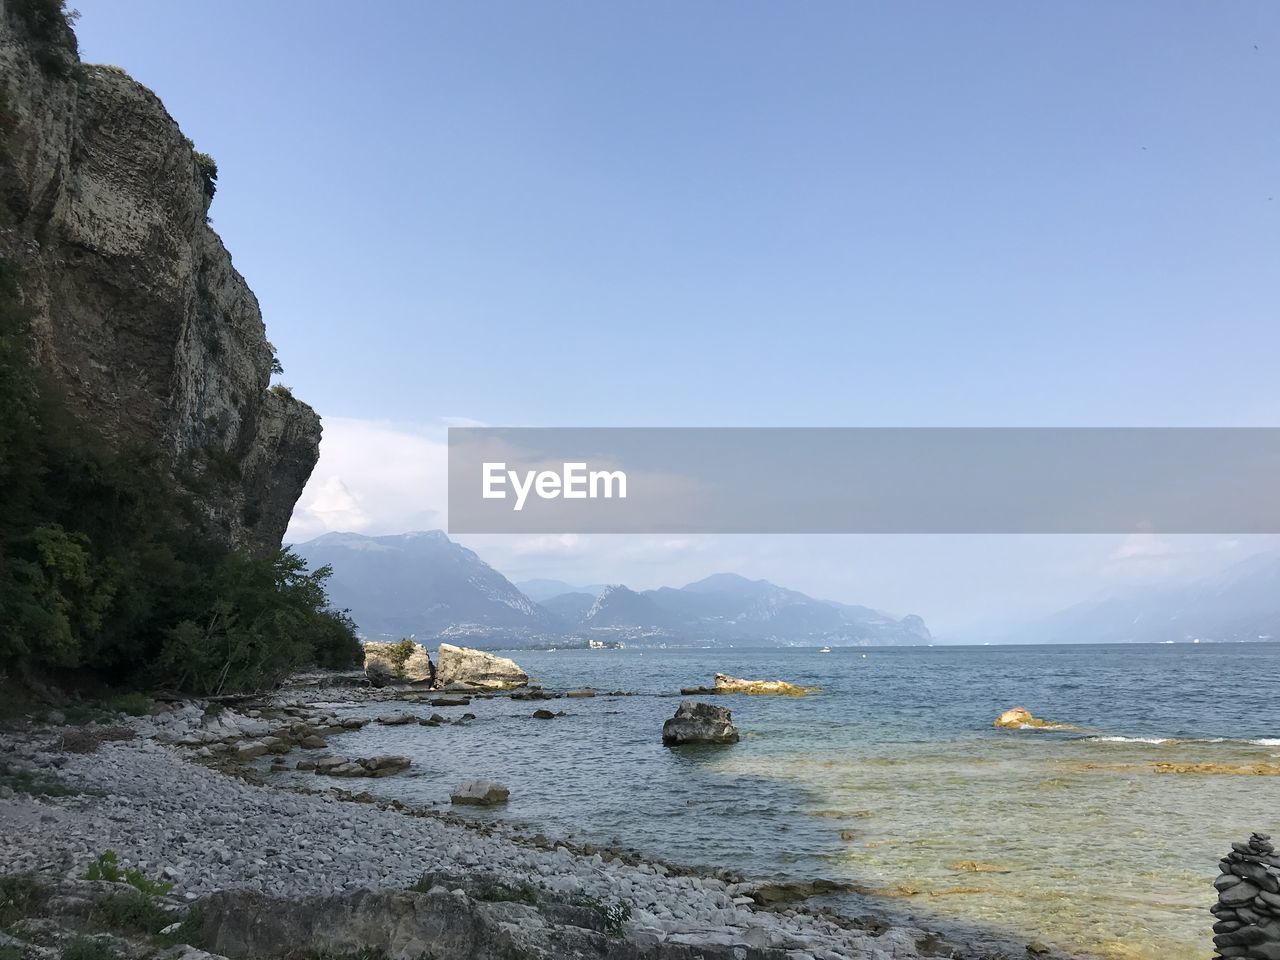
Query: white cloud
[
  {"x": 379, "y": 477},
  {"x": 374, "y": 477}
]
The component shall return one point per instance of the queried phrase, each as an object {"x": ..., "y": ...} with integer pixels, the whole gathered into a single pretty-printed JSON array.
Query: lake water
[{"x": 1082, "y": 843}]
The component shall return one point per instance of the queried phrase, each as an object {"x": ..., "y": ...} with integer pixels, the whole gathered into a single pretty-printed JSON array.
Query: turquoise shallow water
[{"x": 1078, "y": 839}]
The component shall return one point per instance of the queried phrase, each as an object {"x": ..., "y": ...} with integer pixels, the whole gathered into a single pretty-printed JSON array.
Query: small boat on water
[{"x": 825, "y": 650}]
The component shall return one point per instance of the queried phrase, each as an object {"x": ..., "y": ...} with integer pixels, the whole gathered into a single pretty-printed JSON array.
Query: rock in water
[
  {"x": 1020, "y": 718},
  {"x": 699, "y": 723},
  {"x": 397, "y": 719},
  {"x": 480, "y": 793},
  {"x": 380, "y": 664},
  {"x": 335, "y": 766},
  {"x": 465, "y": 665},
  {"x": 728, "y": 684}
]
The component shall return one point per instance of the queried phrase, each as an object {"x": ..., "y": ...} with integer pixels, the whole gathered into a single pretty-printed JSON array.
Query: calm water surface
[{"x": 1082, "y": 843}]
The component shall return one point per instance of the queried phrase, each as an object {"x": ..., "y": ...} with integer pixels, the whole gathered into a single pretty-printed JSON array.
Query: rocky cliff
[{"x": 140, "y": 316}]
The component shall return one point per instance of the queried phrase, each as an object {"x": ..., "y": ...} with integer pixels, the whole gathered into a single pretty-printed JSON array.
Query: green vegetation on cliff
[{"x": 105, "y": 568}]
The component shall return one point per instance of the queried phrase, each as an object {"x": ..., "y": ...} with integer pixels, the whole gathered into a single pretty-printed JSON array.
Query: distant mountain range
[
  {"x": 542, "y": 590},
  {"x": 425, "y": 585},
  {"x": 1242, "y": 603}
]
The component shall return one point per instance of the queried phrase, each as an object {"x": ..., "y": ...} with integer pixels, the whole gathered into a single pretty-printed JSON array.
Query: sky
[{"x": 748, "y": 214}]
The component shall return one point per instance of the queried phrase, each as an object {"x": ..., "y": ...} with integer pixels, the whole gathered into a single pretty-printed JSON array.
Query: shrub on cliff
[
  {"x": 208, "y": 168},
  {"x": 105, "y": 567},
  {"x": 48, "y": 24}
]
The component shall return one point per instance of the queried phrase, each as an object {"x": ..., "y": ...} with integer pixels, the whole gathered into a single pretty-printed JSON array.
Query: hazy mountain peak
[
  {"x": 724, "y": 583},
  {"x": 423, "y": 584},
  {"x": 420, "y": 584},
  {"x": 1239, "y": 603}
]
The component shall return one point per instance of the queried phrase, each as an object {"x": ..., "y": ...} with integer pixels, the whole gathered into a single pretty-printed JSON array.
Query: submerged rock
[
  {"x": 1020, "y": 718},
  {"x": 333, "y": 766},
  {"x": 478, "y": 668},
  {"x": 480, "y": 793},
  {"x": 397, "y": 719},
  {"x": 727, "y": 684},
  {"x": 533, "y": 693},
  {"x": 699, "y": 723},
  {"x": 1259, "y": 769},
  {"x": 451, "y": 702}
]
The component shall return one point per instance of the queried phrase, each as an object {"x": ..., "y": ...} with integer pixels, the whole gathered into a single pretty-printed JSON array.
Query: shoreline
[{"x": 191, "y": 821}]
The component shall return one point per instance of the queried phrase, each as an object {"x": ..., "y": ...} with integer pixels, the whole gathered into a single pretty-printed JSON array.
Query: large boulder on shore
[
  {"x": 476, "y": 668},
  {"x": 385, "y": 663},
  {"x": 699, "y": 723}
]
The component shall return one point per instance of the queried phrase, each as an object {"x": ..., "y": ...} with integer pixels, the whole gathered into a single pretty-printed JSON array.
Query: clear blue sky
[
  {"x": 748, "y": 213},
  {"x": 671, "y": 213}
]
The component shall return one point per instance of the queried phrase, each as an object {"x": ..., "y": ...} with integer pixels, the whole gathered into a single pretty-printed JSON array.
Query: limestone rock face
[
  {"x": 476, "y": 668},
  {"x": 139, "y": 315},
  {"x": 699, "y": 723}
]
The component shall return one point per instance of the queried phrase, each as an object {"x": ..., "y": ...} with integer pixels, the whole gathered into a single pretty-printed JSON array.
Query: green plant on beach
[
  {"x": 132, "y": 912},
  {"x": 615, "y": 915},
  {"x": 88, "y": 738},
  {"x": 502, "y": 893},
  {"x": 89, "y": 948},
  {"x": 190, "y": 926},
  {"x": 107, "y": 867},
  {"x": 132, "y": 704},
  {"x": 21, "y": 895},
  {"x": 36, "y": 784}
]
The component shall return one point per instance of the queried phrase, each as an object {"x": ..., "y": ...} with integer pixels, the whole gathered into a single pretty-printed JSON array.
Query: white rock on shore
[{"x": 477, "y": 668}]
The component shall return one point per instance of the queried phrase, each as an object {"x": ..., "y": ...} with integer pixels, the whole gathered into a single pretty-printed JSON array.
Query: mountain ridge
[
  {"x": 1240, "y": 603},
  {"x": 423, "y": 584}
]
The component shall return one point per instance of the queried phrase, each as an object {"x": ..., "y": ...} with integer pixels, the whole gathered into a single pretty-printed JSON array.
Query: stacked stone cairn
[{"x": 1248, "y": 907}]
